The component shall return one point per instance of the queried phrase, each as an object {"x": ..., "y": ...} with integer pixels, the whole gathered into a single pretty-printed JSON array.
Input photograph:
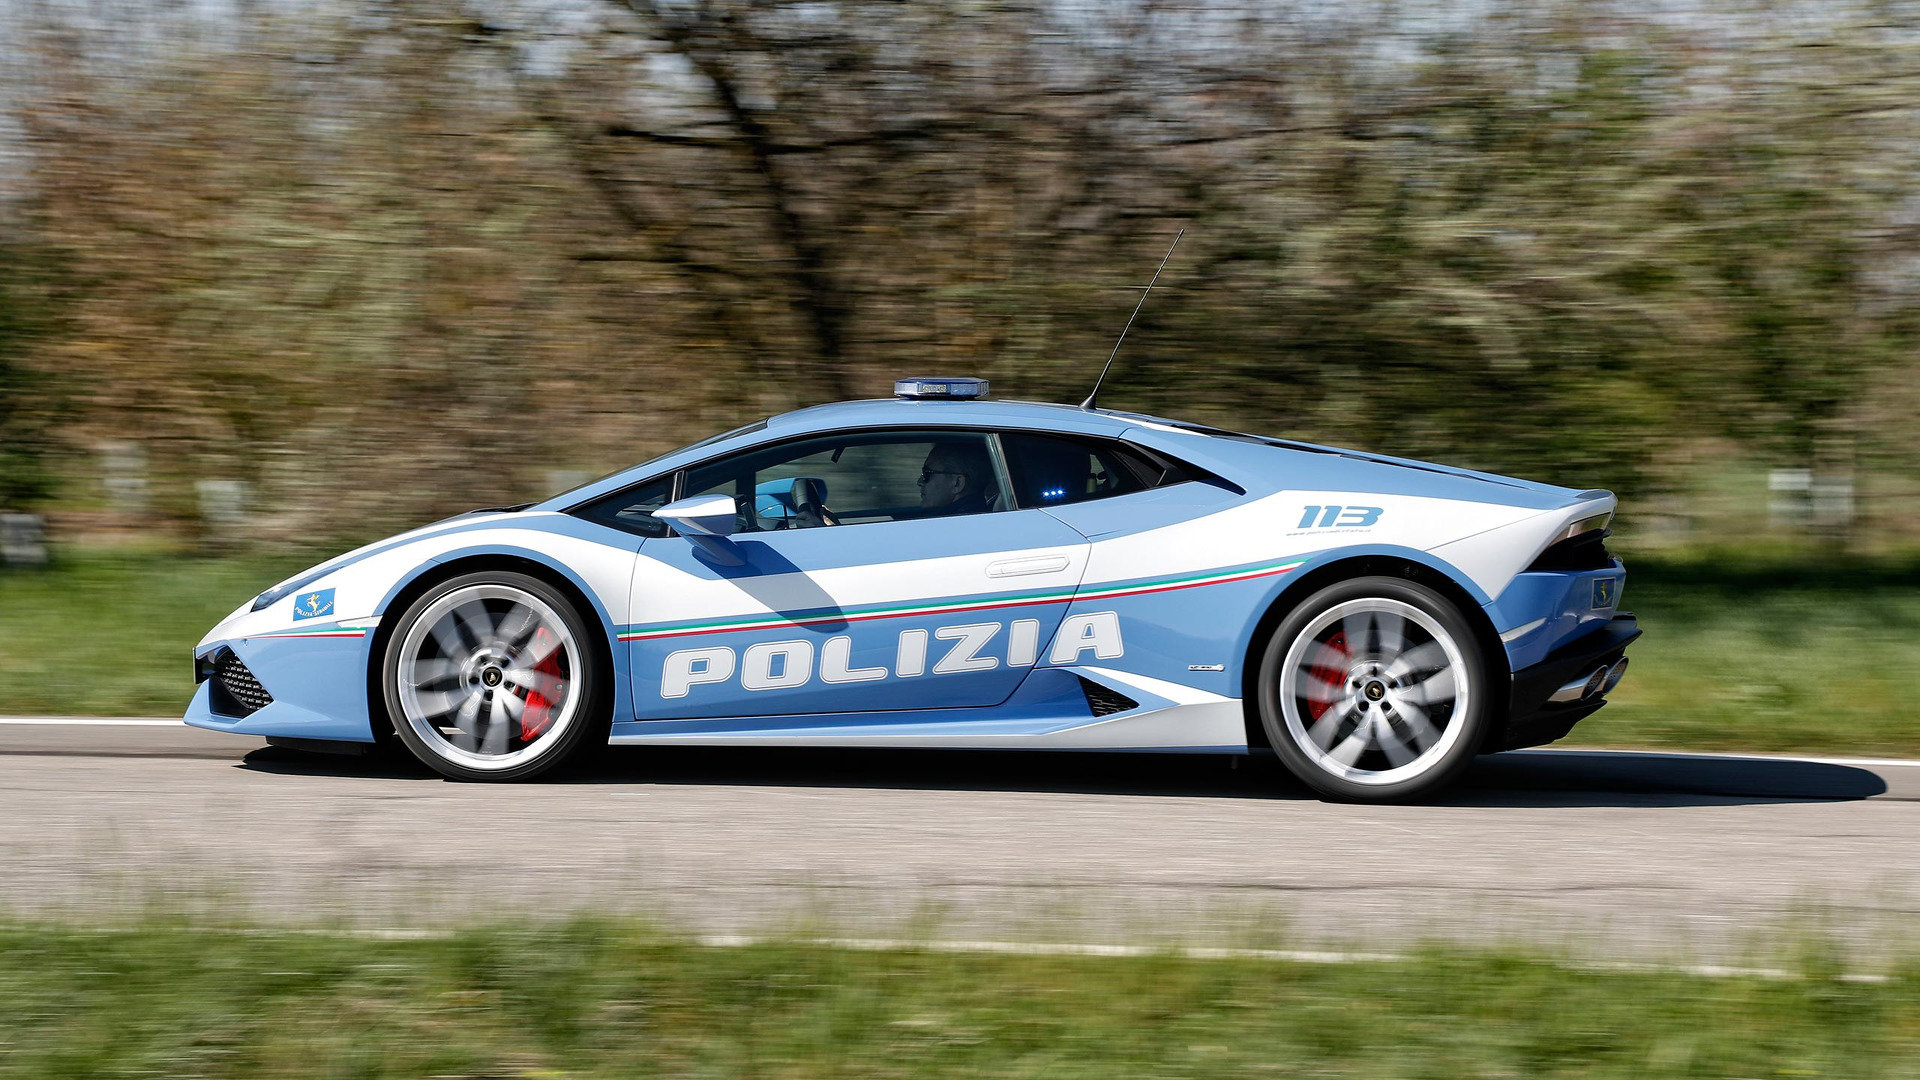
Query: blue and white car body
[{"x": 1128, "y": 622}]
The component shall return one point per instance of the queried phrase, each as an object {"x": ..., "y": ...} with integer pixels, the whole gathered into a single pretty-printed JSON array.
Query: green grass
[
  {"x": 1776, "y": 654},
  {"x": 111, "y": 633},
  {"x": 1782, "y": 652},
  {"x": 595, "y": 999}
]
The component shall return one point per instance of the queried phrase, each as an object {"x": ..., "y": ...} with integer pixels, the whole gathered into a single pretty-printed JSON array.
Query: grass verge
[
  {"x": 596, "y": 999},
  {"x": 1773, "y": 653},
  {"x": 111, "y": 633},
  {"x": 1744, "y": 651}
]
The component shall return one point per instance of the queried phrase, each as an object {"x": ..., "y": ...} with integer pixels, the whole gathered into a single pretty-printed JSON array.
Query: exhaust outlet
[
  {"x": 1602, "y": 681},
  {"x": 1614, "y": 675},
  {"x": 1582, "y": 688},
  {"x": 1594, "y": 683}
]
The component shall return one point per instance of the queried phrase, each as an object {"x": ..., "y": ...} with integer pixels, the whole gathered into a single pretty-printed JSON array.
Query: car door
[{"x": 848, "y": 585}]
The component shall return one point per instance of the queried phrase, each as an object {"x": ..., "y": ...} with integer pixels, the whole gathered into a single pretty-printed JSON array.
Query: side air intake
[
  {"x": 235, "y": 691},
  {"x": 1103, "y": 700}
]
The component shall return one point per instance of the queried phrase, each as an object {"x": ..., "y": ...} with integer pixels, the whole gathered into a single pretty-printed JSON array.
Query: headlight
[
  {"x": 265, "y": 599},
  {"x": 287, "y": 588}
]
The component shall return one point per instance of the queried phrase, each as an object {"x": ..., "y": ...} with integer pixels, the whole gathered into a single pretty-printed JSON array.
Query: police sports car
[{"x": 940, "y": 570}]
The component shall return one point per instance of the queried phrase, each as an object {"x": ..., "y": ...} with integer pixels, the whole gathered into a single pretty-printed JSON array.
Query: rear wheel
[
  {"x": 493, "y": 676},
  {"x": 1374, "y": 690}
]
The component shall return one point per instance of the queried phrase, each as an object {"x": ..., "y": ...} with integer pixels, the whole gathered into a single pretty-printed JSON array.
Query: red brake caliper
[
  {"x": 538, "y": 715},
  {"x": 1329, "y": 669}
]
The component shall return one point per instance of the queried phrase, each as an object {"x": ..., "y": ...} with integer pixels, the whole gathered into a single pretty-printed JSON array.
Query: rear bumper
[{"x": 1533, "y": 717}]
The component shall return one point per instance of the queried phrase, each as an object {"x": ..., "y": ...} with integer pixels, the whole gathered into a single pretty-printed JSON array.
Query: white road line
[
  {"x": 1289, "y": 956},
  {"x": 76, "y": 721},
  {"x": 1050, "y": 948},
  {"x": 1061, "y": 948}
]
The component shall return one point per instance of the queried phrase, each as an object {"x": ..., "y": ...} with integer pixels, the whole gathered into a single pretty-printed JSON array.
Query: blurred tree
[
  {"x": 400, "y": 259},
  {"x": 28, "y": 402}
]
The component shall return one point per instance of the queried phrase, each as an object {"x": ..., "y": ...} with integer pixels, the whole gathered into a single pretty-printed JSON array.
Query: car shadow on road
[
  {"x": 1641, "y": 778},
  {"x": 1522, "y": 778}
]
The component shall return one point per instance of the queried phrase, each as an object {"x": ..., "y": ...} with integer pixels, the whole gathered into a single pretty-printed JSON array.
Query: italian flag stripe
[{"x": 1059, "y": 596}]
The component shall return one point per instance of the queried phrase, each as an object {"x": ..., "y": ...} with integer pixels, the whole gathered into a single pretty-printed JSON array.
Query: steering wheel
[{"x": 809, "y": 504}]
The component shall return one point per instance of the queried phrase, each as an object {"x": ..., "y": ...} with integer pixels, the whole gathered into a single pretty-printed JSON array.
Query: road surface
[{"x": 1611, "y": 854}]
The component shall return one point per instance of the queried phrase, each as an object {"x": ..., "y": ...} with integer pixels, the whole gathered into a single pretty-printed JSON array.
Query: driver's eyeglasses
[{"x": 928, "y": 474}]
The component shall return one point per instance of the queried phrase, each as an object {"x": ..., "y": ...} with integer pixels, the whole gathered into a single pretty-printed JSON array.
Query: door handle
[{"x": 1041, "y": 564}]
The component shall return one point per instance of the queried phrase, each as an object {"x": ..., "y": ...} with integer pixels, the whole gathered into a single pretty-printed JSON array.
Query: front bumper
[
  {"x": 1533, "y": 716},
  {"x": 312, "y": 685}
]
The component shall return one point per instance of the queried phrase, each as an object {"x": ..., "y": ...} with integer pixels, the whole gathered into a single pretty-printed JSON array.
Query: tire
[
  {"x": 495, "y": 676},
  {"x": 1375, "y": 690}
]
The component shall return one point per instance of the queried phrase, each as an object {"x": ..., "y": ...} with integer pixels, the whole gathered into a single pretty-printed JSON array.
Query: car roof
[{"x": 1248, "y": 460}]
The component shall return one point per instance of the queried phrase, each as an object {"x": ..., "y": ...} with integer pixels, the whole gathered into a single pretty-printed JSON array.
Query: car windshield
[{"x": 744, "y": 429}]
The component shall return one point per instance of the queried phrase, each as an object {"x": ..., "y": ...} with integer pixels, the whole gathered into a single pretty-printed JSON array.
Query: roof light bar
[{"x": 921, "y": 389}]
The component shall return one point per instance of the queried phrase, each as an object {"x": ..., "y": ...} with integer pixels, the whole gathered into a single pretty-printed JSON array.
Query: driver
[{"x": 956, "y": 480}]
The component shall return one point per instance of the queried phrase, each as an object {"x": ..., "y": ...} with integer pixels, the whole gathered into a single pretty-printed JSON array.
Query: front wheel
[
  {"x": 1374, "y": 690},
  {"x": 493, "y": 676}
]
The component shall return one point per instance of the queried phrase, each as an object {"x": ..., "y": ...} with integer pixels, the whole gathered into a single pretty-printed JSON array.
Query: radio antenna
[{"x": 1088, "y": 404}]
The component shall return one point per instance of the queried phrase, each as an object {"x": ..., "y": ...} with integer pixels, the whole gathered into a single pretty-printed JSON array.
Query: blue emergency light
[{"x": 931, "y": 388}]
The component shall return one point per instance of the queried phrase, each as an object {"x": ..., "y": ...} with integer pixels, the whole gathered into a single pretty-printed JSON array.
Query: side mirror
[{"x": 702, "y": 515}]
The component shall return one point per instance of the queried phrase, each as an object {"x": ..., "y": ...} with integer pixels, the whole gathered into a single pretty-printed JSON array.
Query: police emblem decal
[
  {"x": 1603, "y": 592},
  {"x": 313, "y": 605}
]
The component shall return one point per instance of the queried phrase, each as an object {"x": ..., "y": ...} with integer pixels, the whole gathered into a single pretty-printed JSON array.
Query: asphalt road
[{"x": 1613, "y": 854}]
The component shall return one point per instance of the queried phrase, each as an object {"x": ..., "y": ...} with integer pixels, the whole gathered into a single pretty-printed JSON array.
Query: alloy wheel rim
[
  {"x": 1373, "y": 691},
  {"x": 487, "y": 677}
]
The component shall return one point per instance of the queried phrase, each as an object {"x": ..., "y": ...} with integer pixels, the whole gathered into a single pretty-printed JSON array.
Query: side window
[
  {"x": 1050, "y": 471},
  {"x": 854, "y": 479},
  {"x": 632, "y": 510}
]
